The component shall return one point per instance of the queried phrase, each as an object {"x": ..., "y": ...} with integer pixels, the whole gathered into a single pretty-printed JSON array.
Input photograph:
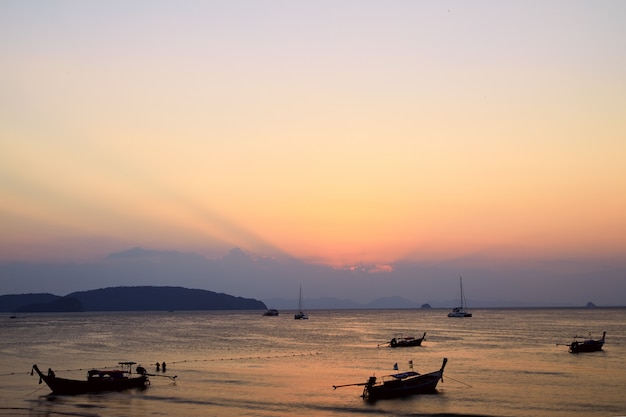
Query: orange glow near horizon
[{"x": 340, "y": 146}]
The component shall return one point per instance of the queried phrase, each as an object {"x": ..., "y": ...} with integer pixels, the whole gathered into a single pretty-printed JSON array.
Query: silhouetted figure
[
  {"x": 158, "y": 366},
  {"x": 163, "y": 366},
  {"x": 51, "y": 373}
]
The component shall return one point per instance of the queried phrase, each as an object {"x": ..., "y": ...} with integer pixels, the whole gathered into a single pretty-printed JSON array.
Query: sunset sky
[{"x": 334, "y": 132}]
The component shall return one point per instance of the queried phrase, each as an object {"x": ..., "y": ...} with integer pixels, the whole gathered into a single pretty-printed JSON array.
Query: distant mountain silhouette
[
  {"x": 12, "y": 302},
  {"x": 146, "y": 298},
  {"x": 58, "y": 305},
  {"x": 392, "y": 302},
  {"x": 329, "y": 303}
]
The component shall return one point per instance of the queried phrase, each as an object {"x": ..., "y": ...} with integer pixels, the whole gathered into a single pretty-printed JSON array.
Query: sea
[{"x": 501, "y": 362}]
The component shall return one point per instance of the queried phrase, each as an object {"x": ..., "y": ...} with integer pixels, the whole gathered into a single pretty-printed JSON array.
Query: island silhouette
[{"x": 142, "y": 298}]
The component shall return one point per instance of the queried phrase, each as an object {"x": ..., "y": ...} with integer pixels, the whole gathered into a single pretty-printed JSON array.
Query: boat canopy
[
  {"x": 404, "y": 375},
  {"x": 97, "y": 373}
]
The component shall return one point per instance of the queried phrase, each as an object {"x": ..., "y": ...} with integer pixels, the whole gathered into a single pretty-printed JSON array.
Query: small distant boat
[
  {"x": 271, "y": 312},
  {"x": 97, "y": 380},
  {"x": 300, "y": 315},
  {"x": 462, "y": 310},
  {"x": 400, "y": 384},
  {"x": 406, "y": 341},
  {"x": 587, "y": 345}
]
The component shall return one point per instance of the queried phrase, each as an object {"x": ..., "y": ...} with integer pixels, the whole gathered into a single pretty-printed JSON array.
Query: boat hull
[
  {"x": 419, "y": 384},
  {"x": 586, "y": 347},
  {"x": 406, "y": 341},
  {"x": 271, "y": 313},
  {"x": 459, "y": 314}
]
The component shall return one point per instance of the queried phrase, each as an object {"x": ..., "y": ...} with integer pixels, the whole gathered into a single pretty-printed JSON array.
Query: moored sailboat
[
  {"x": 300, "y": 315},
  {"x": 462, "y": 310}
]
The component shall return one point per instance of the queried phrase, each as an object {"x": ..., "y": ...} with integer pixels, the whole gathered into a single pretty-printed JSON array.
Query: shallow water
[{"x": 501, "y": 362}]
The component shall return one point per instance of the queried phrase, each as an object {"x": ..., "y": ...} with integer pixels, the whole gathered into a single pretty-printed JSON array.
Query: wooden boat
[
  {"x": 400, "y": 384},
  {"x": 300, "y": 315},
  {"x": 407, "y": 341},
  {"x": 462, "y": 310},
  {"x": 587, "y": 345},
  {"x": 97, "y": 380},
  {"x": 271, "y": 312}
]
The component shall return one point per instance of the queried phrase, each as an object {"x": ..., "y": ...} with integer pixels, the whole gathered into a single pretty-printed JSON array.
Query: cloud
[{"x": 533, "y": 283}]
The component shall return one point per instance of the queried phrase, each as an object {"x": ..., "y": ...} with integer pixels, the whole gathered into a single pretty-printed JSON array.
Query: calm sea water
[{"x": 501, "y": 362}]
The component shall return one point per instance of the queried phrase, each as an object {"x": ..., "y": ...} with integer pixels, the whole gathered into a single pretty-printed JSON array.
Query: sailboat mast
[{"x": 463, "y": 302}]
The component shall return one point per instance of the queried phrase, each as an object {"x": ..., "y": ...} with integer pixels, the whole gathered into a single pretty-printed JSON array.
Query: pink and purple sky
[{"x": 336, "y": 132}]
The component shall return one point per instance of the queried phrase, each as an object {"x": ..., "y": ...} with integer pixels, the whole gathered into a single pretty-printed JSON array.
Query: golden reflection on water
[{"x": 501, "y": 362}]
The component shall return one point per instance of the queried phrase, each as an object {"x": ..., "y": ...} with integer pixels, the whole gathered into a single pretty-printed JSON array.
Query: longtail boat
[
  {"x": 407, "y": 341},
  {"x": 400, "y": 384},
  {"x": 97, "y": 380},
  {"x": 587, "y": 345},
  {"x": 271, "y": 312}
]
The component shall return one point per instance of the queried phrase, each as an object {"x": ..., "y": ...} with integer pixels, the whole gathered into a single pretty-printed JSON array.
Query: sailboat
[
  {"x": 300, "y": 315},
  {"x": 460, "y": 311}
]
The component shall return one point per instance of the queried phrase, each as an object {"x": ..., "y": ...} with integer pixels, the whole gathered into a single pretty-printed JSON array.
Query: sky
[{"x": 337, "y": 133}]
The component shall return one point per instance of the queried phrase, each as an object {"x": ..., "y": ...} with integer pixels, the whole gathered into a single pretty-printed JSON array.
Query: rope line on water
[
  {"x": 183, "y": 361},
  {"x": 247, "y": 357},
  {"x": 456, "y": 380},
  {"x": 15, "y": 373},
  {"x": 40, "y": 388}
]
